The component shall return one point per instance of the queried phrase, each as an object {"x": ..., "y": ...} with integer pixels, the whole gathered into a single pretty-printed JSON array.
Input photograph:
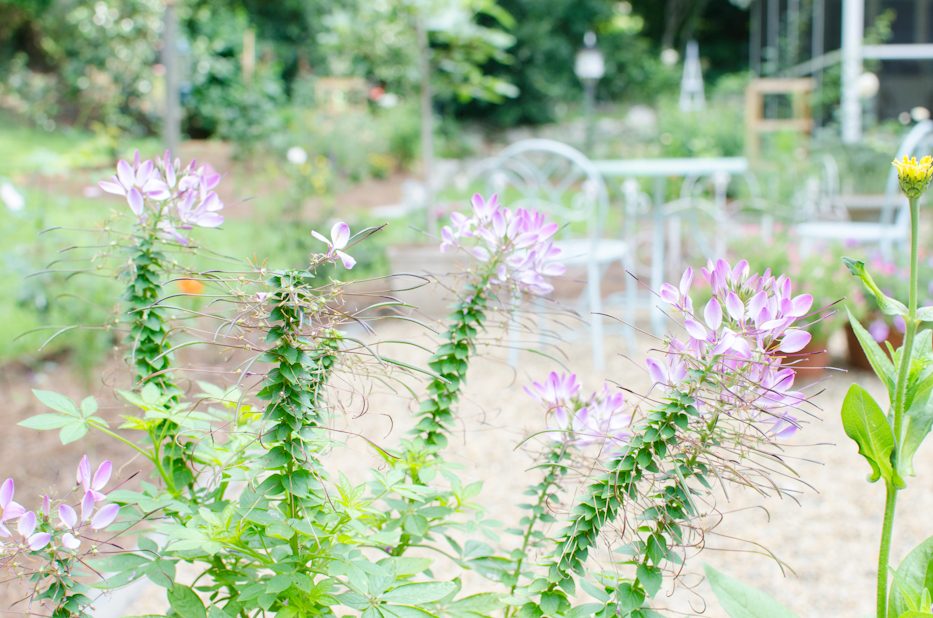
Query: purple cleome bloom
[
  {"x": 9, "y": 509},
  {"x": 177, "y": 198},
  {"x": 745, "y": 336},
  {"x": 517, "y": 244},
  {"x": 598, "y": 419}
]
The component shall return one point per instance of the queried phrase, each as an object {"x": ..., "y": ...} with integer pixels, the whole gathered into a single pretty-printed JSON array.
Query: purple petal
[
  {"x": 656, "y": 371},
  {"x": 320, "y": 237},
  {"x": 669, "y": 294},
  {"x": 340, "y": 234},
  {"x": 12, "y": 510},
  {"x": 794, "y": 340},
  {"x": 801, "y": 304},
  {"x": 105, "y": 516},
  {"x": 83, "y": 474},
  {"x": 734, "y": 306},
  {"x": 39, "y": 540},
  {"x": 209, "y": 219},
  {"x": 686, "y": 280}
]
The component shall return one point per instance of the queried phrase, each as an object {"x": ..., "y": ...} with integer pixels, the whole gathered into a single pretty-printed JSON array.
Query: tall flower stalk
[
  {"x": 888, "y": 442},
  {"x": 166, "y": 199},
  {"x": 726, "y": 382}
]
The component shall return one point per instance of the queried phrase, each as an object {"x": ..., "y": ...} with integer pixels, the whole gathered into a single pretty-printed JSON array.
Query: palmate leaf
[
  {"x": 741, "y": 600},
  {"x": 866, "y": 424},
  {"x": 71, "y": 420}
]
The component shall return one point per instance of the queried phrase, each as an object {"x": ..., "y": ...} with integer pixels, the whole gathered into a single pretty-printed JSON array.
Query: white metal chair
[
  {"x": 552, "y": 177},
  {"x": 892, "y": 228}
]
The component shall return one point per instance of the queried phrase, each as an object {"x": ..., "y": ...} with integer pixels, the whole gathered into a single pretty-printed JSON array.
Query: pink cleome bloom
[
  {"x": 339, "y": 238},
  {"x": 178, "y": 198},
  {"x": 517, "y": 243}
]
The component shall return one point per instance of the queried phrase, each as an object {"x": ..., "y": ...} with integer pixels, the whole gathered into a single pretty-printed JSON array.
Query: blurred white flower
[
  {"x": 920, "y": 113},
  {"x": 13, "y": 199},
  {"x": 669, "y": 57},
  {"x": 388, "y": 100},
  {"x": 296, "y": 155}
]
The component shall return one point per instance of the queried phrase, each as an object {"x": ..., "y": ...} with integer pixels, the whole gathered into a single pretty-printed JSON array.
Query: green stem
[{"x": 884, "y": 552}]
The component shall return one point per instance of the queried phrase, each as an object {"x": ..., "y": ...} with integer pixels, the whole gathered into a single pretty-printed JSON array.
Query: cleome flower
[
  {"x": 516, "y": 244},
  {"x": 9, "y": 510},
  {"x": 598, "y": 419},
  {"x": 163, "y": 192},
  {"x": 736, "y": 353},
  {"x": 914, "y": 176},
  {"x": 339, "y": 238}
]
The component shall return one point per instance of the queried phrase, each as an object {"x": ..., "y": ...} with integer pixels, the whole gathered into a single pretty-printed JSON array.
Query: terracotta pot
[
  {"x": 856, "y": 356},
  {"x": 812, "y": 362}
]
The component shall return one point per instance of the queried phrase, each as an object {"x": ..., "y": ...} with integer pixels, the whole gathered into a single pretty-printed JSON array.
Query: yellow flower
[{"x": 913, "y": 175}]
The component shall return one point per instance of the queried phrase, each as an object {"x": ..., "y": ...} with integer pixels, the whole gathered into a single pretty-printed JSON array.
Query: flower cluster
[
  {"x": 163, "y": 192},
  {"x": 600, "y": 418},
  {"x": 745, "y": 337},
  {"x": 39, "y": 532},
  {"x": 516, "y": 244},
  {"x": 914, "y": 176}
]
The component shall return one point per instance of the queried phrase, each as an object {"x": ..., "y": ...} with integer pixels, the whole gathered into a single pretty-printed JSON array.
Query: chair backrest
[
  {"x": 549, "y": 176},
  {"x": 918, "y": 142}
]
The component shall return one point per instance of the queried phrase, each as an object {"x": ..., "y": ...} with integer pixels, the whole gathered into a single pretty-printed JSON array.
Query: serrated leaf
[
  {"x": 741, "y": 600},
  {"x": 865, "y": 423}
]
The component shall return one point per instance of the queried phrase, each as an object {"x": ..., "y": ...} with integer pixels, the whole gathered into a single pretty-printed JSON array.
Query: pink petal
[
  {"x": 39, "y": 540},
  {"x": 13, "y": 510},
  {"x": 125, "y": 174},
  {"x": 320, "y": 237},
  {"x": 348, "y": 260},
  {"x": 135, "y": 199},
  {"x": 87, "y": 505},
  {"x": 105, "y": 516},
  {"x": 686, "y": 280},
  {"x": 734, "y": 306},
  {"x": 794, "y": 340},
  {"x": 695, "y": 329},
  {"x": 713, "y": 314},
  {"x": 656, "y": 371},
  {"x": 26, "y": 524},
  {"x": 801, "y": 304},
  {"x": 111, "y": 187},
  {"x": 340, "y": 234},
  {"x": 70, "y": 541},
  {"x": 102, "y": 476},
  {"x": 669, "y": 294},
  {"x": 6, "y": 493},
  {"x": 67, "y": 516}
]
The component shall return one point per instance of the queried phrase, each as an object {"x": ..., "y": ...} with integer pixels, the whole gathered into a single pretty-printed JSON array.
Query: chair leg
[{"x": 594, "y": 296}]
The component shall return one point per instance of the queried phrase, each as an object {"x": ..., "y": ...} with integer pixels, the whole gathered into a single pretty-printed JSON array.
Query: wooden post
[
  {"x": 171, "y": 128},
  {"x": 248, "y": 58}
]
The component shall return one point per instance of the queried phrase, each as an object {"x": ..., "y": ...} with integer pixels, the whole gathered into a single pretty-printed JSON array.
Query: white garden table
[{"x": 661, "y": 170}]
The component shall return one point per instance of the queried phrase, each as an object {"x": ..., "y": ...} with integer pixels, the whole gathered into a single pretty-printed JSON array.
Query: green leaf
[
  {"x": 888, "y": 305},
  {"x": 72, "y": 432},
  {"x": 865, "y": 423},
  {"x": 912, "y": 576},
  {"x": 878, "y": 360},
  {"x": 650, "y": 578},
  {"x": 57, "y": 402},
  {"x": 44, "y": 422},
  {"x": 742, "y": 601},
  {"x": 918, "y": 421},
  {"x": 629, "y": 597},
  {"x": 925, "y": 314},
  {"x": 417, "y": 594},
  {"x": 186, "y": 602}
]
